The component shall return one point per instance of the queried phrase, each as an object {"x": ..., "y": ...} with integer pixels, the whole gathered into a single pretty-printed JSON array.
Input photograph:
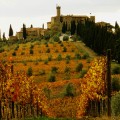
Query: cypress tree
[
  {"x": 63, "y": 28},
  {"x": 10, "y": 31},
  {"x": 4, "y": 38},
  {"x": 24, "y": 32}
]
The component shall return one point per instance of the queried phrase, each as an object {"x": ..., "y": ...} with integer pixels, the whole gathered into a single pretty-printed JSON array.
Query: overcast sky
[{"x": 37, "y": 12}]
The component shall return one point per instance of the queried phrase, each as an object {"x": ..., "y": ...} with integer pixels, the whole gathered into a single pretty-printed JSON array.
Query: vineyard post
[{"x": 109, "y": 82}]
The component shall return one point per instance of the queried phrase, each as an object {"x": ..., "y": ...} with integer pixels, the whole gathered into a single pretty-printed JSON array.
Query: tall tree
[
  {"x": 63, "y": 28},
  {"x": 10, "y": 31},
  {"x": 24, "y": 32},
  {"x": 31, "y": 26},
  {"x": 4, "y": 38}
]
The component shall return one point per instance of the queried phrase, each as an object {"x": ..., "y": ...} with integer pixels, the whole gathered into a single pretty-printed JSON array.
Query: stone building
[
  {"x": 67, "y": 18},
  {"x": 32, "y": 32}
]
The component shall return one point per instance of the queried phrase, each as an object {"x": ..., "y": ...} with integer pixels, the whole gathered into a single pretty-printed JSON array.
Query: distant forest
[{"x": 99, "y": 38}]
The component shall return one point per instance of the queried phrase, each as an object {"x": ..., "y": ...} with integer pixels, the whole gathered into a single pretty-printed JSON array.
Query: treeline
[{"x": 97, "y": 37}]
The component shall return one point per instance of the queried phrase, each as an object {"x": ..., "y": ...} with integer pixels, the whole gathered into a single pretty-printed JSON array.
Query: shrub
[
  {"x": 51, "y": 77},
  {"x": 115, "y": 104},
  {"x": 46, "y": 45},
  {"x": 68, "y": 57},
  {"x": 31, "y": 46},
  {"x": 61, "y": 44},
  {"x": 65, "y": 38},
  {"x": 85, "y": 56},
  {"x": 46, "y": 62},
  {"x": 47, "y": 37},
  {"x": 79, "y": 67},
  {"x": 48, "y": 50},
  {"x": 59, "y": 57},
  {"x": 56, "y": 38},
  {"x": 31, "y": 52},
  {"x": 83, "y": 72},
  {"x": 49, "y": 57},
  {"x": 54, "y": 69},
  {"x": 77, "y": 56},
  {"x": 115, "y": 84},
  {"x": 69, "y": 91},
  {"x": 29, "y": 71},
  {"x": 116, "y": 70},
  {"x": 64, "y": 49},
  {"x": 67, "y": 70},
  {"x": 67, "y": 61},
  {"x": 14, "y": 53}
]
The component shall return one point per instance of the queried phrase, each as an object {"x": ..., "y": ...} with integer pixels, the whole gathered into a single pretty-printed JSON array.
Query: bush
[
  {"x": 115, "y": 104},
  {"x": 31, "y": 46},
  {"x": 47, "y": 37},
  {"x": 54, "y": 69},
  {"x": 69, "y": 91},
  {"x": 59, "y": 57},
  {"x": 51, "y": 78},
  {"x": 65, "y": 38},
  {"x": 48, "y": 50},
  {"x": 61, "y": 44},
  {"x": 85, "y": 56},
  {"x": 77, "y": 56},
  {"x": 29, "y": 71},
  {"x": 116, "y": 70},
  {"x": 31, "y": 52},
  {"x": 83, "y": 72},
  {"x": 68, "y": 57},
  {"x": 14, "y": 53},
  {"x": 64, "y": 49},
  {"x": 115, "y": 84},
  {"x": 67, "y": 61},
  {"x": 56, "y": 38},
  {"x": 67, "y": 70},
  {"x": 46, "y": 62},
  {"x": 49, "y": 57},
  {"x": 79, "y": 67}
]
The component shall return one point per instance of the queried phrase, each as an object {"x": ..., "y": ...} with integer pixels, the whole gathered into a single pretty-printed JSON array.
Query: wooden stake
[{"x": 109, "y": 83}]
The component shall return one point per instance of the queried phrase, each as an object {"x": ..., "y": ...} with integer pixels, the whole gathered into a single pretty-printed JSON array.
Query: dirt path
[{"x": 81, "y": 45}]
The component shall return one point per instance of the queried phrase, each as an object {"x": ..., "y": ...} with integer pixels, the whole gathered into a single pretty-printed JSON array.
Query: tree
[
  {"x": 30, "y": 71},
  {"x": 4, "y": 38},
  {"x": 10, "y": 31},
  {"x": 117, "y": 50},
  {"x": 24, "y": 32},
  {"x": 31, "y": 26},
  {"x": 64, "y": 28}
]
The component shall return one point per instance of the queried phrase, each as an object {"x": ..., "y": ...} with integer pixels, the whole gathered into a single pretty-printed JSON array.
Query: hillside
[{"x": 52, "y": 79}]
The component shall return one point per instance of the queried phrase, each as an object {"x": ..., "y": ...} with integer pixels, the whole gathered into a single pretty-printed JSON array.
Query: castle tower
[{"x": 58, "y": 10}]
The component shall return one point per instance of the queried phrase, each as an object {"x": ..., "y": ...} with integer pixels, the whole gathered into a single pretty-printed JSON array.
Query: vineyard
[{"x": 55, "y": 80}]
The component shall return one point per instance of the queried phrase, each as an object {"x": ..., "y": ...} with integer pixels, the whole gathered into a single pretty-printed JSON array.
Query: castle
[{"x": 60, "y": 19}]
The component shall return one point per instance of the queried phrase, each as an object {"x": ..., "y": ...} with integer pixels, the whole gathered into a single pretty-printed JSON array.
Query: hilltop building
[
  {"x": 60, "y": 19},
  {"x": 31, "y": 32}
]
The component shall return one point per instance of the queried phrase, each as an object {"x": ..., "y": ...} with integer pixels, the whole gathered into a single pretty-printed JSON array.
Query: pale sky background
[{"x": 37, "y": 12}]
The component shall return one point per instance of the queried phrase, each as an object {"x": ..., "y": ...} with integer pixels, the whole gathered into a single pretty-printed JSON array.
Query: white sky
[{"x": 37, "y": 12}]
